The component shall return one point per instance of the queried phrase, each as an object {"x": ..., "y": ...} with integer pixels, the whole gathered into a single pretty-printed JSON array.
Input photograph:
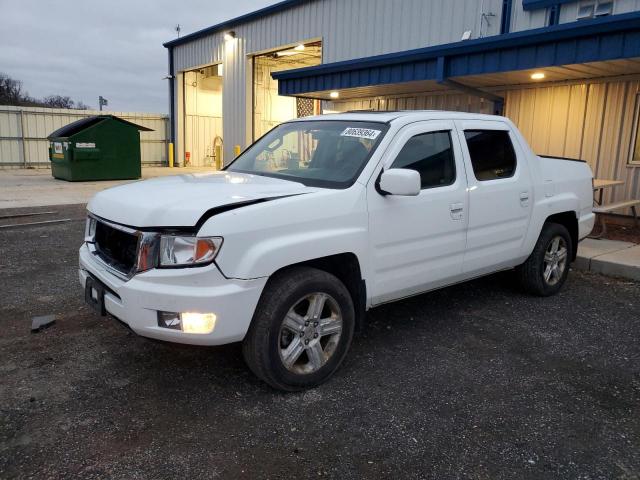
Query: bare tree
[
  {"x": 11, "y": 93},
  {"x": 58, "y": 101}
]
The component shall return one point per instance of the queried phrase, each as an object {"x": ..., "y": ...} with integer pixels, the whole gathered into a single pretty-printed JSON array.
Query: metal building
[{"x": 567, "y": 72}]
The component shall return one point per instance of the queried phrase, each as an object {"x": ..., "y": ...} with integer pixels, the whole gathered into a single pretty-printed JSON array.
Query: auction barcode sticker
[{"x": 361, "y": 133}]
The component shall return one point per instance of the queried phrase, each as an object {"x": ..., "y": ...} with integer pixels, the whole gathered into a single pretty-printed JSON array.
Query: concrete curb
[{"x": 609, "y": 257}]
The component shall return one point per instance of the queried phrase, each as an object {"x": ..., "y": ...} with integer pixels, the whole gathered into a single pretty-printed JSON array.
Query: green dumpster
[{"x": 101, "y": 147}]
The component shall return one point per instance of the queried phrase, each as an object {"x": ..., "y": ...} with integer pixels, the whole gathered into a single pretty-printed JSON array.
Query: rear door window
[
  {"x": 431, "y": 155},
  {"x": 492, "y": 154}
]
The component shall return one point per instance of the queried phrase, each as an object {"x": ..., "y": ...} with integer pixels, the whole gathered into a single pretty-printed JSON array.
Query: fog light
[
  {"x": 188, "y": 322},
  {"x": 198, "y": 322}
]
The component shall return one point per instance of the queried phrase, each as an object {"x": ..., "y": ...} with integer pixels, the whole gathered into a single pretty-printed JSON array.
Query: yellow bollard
[
  {"x": 170, "y": 155},
  {"x": 218, "y": 155},
  {"x": 236, "y": 150}
]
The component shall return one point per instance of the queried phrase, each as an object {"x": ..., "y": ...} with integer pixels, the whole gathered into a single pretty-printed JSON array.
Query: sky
[{"x": 113, "y": 48}]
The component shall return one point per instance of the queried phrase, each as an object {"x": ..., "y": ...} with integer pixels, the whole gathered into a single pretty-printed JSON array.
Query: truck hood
[{"x": 181, "y": 200}]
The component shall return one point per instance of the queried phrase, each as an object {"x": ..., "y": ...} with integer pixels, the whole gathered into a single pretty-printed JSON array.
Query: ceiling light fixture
[
  {"x": 286, "y": 53},
  {"x": 334, "y": 94},
  {"x": 538, "y": 76}
]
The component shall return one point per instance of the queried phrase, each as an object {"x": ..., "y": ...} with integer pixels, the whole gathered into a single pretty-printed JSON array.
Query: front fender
[
  {"x": 261, "y": 239},
  {"x": 269, "y": 255}
]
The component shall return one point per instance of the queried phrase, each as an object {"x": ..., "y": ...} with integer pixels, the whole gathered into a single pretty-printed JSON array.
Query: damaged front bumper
[{"x": 137, "y": 301}]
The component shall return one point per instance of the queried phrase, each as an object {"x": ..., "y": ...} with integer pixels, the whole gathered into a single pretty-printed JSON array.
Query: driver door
[{"x": 418, "y": 243}]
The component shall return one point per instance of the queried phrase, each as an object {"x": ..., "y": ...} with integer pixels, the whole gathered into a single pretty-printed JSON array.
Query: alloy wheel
[
  {"x": 555, "y": 260},
  {"x": 310, "y": 333}
]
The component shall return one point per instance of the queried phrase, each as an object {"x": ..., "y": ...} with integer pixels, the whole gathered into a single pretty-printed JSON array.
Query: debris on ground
[{"x": 42, "y": 322}]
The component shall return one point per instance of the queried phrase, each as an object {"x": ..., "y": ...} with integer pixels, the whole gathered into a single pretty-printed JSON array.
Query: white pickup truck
[{"x": 324, "y": 218}]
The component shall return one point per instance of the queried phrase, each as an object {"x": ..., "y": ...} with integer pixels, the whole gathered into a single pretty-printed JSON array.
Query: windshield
[{"x": 324, "y": 153}]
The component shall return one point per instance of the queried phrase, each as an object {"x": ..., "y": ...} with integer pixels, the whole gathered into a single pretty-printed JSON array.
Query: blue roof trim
[
  {"x": 275, "y": 8},
  {"x": 538, "y": 4},
  {"x": 606, "y": 38}
]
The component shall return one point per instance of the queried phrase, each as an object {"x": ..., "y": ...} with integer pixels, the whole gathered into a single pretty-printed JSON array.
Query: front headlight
[{"x": 178, "y": 251}]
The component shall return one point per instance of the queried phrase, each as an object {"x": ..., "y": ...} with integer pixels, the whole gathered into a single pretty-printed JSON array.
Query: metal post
[
  {"x": 22, "y": 135},
  {"x": 168, "y": 146},
  {"x": 172, "y": 106}
]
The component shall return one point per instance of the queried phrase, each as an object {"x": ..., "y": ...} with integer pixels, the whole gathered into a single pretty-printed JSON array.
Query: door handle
[
  {"x": 456, "y": 210},
  {"x": 524, "y": 199}
]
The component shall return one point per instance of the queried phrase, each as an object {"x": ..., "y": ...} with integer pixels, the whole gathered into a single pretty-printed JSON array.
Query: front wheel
[
  {"x": 301, "y": 330},
  {"x": 546, "y": 269}
]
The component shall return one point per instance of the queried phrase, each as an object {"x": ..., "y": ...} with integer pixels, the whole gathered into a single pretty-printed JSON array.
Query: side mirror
[{"x": 400, "y": 181}]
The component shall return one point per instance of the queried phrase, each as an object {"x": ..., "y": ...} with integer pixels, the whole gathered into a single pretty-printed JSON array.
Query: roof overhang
[{"x": 602, "y": 39}]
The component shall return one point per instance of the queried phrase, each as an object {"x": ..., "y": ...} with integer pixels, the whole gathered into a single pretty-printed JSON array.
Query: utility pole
[{"x": 102, "y": 102}]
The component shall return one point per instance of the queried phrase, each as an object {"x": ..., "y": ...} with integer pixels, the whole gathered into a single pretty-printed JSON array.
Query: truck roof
[{"x": 404, "y": 115}]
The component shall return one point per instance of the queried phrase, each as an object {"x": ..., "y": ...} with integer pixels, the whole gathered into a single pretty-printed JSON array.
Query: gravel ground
[{"x": 474, "y": 381}]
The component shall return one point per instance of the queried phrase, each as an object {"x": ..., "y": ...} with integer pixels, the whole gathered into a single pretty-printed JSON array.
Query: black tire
[
  {"x": 531, "y": 273},
  {"x": 262, "y": 345}
]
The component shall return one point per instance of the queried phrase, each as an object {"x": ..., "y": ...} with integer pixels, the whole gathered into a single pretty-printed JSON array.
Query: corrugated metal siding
[
  {"x": 378, "y": 21},
  {"x": 40, "y": 122},
  {"x": 527, "y": 20},
  {"x": 348, "y": 28},
  {"x": 592, "y": 121}
]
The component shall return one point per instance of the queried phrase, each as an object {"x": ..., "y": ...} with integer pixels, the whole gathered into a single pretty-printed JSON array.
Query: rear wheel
[
  {"x": 546, "y": 269},
  {"x": 301, "y": 330}
]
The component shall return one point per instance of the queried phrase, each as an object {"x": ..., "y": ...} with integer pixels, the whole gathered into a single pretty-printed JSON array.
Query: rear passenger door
[
  {"x": 500, "y": 196},
  {"x": 418, "y": 242}
]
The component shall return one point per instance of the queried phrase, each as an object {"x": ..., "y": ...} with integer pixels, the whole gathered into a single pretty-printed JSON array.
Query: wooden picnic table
[{"x": 599, "y": 184}]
